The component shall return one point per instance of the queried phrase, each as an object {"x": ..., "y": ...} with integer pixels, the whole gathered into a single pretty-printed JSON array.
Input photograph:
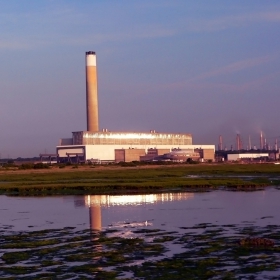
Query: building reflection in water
[{"x": 95, "y": 202}]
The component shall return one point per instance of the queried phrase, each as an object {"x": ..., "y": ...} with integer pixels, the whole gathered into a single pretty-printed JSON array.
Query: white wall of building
[
  {"x": 69, "y": 149},
  {"x": 107, "y": 152},
  {"x": 233, "y": 157}
]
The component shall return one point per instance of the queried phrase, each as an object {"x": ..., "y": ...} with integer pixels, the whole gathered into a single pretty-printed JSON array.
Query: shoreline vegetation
[
  {"x": 208, "y": 251},
  {"x": 135, "y": 178}
]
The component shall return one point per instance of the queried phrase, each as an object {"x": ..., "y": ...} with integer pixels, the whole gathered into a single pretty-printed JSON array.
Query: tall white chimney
[{"x": 91, "y": 92}]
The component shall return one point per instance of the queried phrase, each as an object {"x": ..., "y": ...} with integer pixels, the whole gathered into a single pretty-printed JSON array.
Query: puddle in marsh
[
  {"x": 181, "y": 229},
  {"x": 244, "y": 177}
]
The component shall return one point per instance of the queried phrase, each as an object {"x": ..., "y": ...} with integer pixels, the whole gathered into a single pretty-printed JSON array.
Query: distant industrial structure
[
  {"x": 264, "y": 152},
  {"x": 107, "y": 146}
]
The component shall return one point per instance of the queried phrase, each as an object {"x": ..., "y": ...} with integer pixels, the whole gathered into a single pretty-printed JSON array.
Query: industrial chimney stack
[
  {"x": 220, "y": 143},
  {"x": 261, "y": 141},
  {"x": 238, "y": 142},
  {"x": 91, "y": 92}
]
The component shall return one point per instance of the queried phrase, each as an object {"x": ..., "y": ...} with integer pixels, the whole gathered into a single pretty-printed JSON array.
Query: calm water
[
  {"x": 173, "y": 213},
  {"x": 168, "y": 211}
]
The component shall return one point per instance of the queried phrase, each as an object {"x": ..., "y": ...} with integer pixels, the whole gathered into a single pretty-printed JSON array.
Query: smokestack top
[{"x": 90, "y": 58}]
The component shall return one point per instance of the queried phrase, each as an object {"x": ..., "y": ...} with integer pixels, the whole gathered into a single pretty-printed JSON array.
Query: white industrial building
[
  {"x": 95, "y": 145},
  {"x": 235, "y": 157},
  {"x": 101, "y": 146}
]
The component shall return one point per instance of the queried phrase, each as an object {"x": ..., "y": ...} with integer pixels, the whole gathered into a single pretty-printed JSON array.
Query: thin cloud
[
  {"x": 158, "y": 30},
  {"x": 102, "y": 38},
  {"x": 219, "y": 86},
  {"x": 230, "y": 21},
  {"x": 235, "y": 67},
  {"x": 270, "y": 16},
  {"x": 23, "y": 44}
]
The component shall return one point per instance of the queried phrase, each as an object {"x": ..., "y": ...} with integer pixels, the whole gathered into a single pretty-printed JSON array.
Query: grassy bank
[{"x": 117, "y": 179}]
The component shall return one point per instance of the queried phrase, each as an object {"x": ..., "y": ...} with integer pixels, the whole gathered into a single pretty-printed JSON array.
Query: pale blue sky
[{"x": 203, "y": 67}]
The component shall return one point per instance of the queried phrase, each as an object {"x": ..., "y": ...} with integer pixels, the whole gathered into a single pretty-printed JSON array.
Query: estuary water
[
  {"x": 133, "y": 235},
  {"x": 169, "y": 211}
]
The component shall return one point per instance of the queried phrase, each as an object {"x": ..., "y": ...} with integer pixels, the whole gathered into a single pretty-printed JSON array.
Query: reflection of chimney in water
[
  {"x": 94, "y": 203},
  {"x": 95, "y": 217}
]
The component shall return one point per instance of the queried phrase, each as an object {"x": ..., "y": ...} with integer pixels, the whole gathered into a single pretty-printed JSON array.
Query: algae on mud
[
  {"x": 209, "y": 252},
  {"x": 114, "y": 179}
]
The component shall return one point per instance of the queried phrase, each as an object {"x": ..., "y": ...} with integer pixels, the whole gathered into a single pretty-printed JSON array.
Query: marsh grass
[{"x": 139, "y": 180}]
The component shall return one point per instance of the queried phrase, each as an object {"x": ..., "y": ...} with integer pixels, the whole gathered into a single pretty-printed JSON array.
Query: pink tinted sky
[{"x": 203, "y": 67}]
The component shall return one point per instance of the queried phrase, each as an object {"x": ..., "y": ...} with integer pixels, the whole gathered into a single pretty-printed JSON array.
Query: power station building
[{"x": 95, "y": 145}]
